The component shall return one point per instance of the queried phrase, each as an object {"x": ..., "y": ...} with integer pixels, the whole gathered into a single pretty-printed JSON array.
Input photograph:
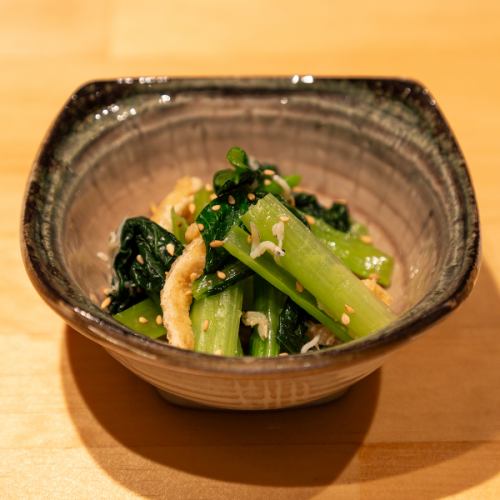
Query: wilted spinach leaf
[
  {"x": 337, "y": 215},
  {"x": 218, "y": 222},
  {"x": 134, "y": 280},
  {"x": 292, "y": 328}
]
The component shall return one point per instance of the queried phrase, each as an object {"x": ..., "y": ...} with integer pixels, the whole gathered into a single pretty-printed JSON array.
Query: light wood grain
[{"x": 75, "y": 424}]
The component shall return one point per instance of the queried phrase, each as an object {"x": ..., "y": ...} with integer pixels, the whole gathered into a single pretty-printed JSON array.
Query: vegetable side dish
[{"x": 250, "y": 265}]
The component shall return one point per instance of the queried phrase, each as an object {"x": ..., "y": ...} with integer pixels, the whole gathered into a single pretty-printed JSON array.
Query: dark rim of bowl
[{"x": 111, "y": 334}]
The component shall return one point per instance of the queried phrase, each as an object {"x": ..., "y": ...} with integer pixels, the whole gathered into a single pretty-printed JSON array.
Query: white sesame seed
[
  {"x": 344, "y": 319},
  {"x": 159, "y": 320},
  {"x": 106, "y": 291},
  {"x": 142, "y": 320},
  {"x": 193, "y": 276},
  {"x": 251, "y": 196},
  {"x": 170, "y": 248},
  {"x": 206, "y": 324},
  {"x": 212, "y": 196},
  {"x": 216, "y": 208},
  {"x": 231, "y": 200},
  {"x": 348, "y": 309},
  {"x": 218, "y": 352},
  {"x": 310, "y": 219},
  {"x": 102, "y": 256},
  {"x": 341, "y": 201},
  {"x": 267, "y": 182},
  {"x": 221, "y": 275},
  {"x": 268, "y": 171},
  {"x": 284, "y": 218},
  {"x": 299, "y": 287},
  {"x": 216, "y": 243},
  {"x": 201, "y": 227},
  {"x": 282, "y": 354},
  {"x": 192, "y": 208},
  {"x": 139, "y": 258},
  {"x": 365, "y": 238},
  {"x": 105, "y": 303},
  {"x": 208, "y": 187}
]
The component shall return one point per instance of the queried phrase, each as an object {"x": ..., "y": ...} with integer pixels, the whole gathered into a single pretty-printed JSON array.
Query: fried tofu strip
[{"x": 176, "y": 296}]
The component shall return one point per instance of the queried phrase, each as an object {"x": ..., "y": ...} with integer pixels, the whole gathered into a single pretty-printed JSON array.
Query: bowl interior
[{"x": 354, "y": 147}]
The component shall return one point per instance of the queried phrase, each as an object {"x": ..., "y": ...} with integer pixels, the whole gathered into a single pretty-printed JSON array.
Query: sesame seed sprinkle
[
  {"x": 208, "y": 187},
  {"x": 206, "y": 324},
  {"x": 218, "y": 352},
  {"x": 268, "y": 171},
  {"x": 365, "y": 238},
  {"x": 344, "y": 319},
  {"x": 299, "y": 287},
  {"x": 105, "y": 303},
  {"x": 310, "y": 219},
  {"x": 159, "y": 320},
  {"x": 192, "y": 208},
  {"x": 215, "y": 208},
  {"x": 348, "y": 309},
  {"x": 170, "y": 248},
  {"x": 193, "y": 276},
  {"x": 267, "y": 182},
  {"x": 142, "y": 320},
  {"x": 213, "y": 196},
  {"x": 216, "y": 243},
  {"x": 201, "y": 227},
  {"x": 251, "y": 196},
  {"x": 139, "y": 258},
  {"x": 231, "y": 200},
  {"x": 221, "y": 275},
  {"x": 284, "y": 218}
]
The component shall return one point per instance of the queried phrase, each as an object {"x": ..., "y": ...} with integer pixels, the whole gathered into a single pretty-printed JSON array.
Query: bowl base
[{"x": 186, "y": 403}]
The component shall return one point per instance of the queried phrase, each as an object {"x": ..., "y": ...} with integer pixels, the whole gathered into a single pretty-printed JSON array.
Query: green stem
[
  {"x": 149, "y": 311},
  {"x": 319, "y": 271},
  {"x": 216, "y": 322},
  {"x": 211, "y": 284},
  {"x": 268, "y": 300},
  {"x": 236, "y": 244},
  {"x": 361, "y": 258}
]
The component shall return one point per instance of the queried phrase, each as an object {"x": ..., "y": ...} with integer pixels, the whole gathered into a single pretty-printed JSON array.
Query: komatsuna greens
[{"x": 260, "y": 265}]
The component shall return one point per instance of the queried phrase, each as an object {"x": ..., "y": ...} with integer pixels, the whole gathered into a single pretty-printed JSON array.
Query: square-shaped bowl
[{"x": 382, "y": 144}]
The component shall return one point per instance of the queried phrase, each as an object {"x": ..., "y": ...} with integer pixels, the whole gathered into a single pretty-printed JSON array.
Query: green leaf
[
  {"x": 135, "y": 277},
  {"x": 292, "y": 328},
  {"x": 337, "y": 215}
]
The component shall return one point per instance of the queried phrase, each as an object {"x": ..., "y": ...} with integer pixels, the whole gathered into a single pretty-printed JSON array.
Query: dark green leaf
[
  {"x": 217, "y": 223},
  {"x": 133, "y": 281},
  {"x": 337, "y": 215},
  {"x": 292, "y": 328}
]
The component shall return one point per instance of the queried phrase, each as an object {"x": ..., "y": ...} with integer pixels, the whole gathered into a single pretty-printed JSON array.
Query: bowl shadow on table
[{"x": 112, "y": 407}]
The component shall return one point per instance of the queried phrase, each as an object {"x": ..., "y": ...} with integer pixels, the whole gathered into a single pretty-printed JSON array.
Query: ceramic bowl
[{"x": 382, "y": 144}]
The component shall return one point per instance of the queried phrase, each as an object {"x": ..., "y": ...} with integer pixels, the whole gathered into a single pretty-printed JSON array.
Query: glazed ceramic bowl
[{"x": 382, "y": 144}]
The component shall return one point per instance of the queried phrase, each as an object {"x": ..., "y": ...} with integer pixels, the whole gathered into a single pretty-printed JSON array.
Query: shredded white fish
[
  {"x": 258, "y": 319},
  {"x": 326, "y": 337},
  {"x": 278, "y": 230},
  {"x": 309, "y": 345},
  {"x": 267, "y": 246},
  {"x": 287, "y": 192}
]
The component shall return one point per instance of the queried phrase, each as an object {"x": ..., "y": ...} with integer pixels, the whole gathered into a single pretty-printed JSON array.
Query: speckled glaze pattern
[{"x": 382, "y": 144}]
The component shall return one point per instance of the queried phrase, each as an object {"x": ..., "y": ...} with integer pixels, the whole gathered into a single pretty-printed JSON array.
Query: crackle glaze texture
[{"x": 382, "y": 145}]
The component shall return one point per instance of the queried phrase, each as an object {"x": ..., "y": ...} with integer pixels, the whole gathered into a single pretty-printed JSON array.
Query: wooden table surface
[{"x": 75, "y": 424}]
